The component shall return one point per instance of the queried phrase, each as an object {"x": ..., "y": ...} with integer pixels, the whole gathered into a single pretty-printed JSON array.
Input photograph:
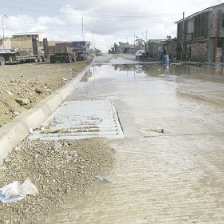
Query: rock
[
  {"x": 10, "y": 93},
  {"x": 104, "y": 180},
  {"x": 39, "y": 91},
  {"x": 17, "y": 148},
  {"x": 22, "y": 101},
  {"x": 14, "y": 112}
]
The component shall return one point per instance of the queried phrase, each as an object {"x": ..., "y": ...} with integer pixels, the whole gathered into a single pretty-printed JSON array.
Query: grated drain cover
[{"x": 81, "y": 119}]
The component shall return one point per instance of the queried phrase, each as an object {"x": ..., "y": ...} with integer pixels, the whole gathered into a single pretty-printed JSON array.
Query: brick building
[{"x": 200, "y": 37}]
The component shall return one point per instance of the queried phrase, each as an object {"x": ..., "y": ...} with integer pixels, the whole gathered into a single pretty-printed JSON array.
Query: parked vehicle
[
  {"x": 80, "y": 48},
  {"x": 140, "y": 54},
  {"x": 61, "y": 52},
  {"x": 24, "y": 49},
  {"x": 7, "y": 55}
]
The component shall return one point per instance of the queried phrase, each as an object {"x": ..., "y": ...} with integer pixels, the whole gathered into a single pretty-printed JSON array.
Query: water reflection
[
  {"x": 87, "y": 76},
  {"x": 209, "y": 73}
]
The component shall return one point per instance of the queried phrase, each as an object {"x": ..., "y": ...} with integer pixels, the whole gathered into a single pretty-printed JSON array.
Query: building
[
  {"x": 154, "y": 48},
  {"x": 6, "y": 43},
  {"x": 170, "y": 48},
  {"x": 200, "y": 37}
]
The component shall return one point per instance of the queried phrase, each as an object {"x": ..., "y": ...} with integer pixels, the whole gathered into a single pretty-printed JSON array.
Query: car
[{"x": 140, "y": 54}]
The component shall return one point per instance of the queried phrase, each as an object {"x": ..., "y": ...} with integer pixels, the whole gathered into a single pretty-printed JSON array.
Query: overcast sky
[{"x": 105, "y": 21}]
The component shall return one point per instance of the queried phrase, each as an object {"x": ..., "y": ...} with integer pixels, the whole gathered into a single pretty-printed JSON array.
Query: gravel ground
[
  {"x": 58, "y": 169},
  {"x": 23, "y": 85}
]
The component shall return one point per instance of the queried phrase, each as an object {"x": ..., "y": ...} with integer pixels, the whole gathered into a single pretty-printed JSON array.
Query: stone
[
  {"x": 39, "y": 91},
  {"x": 22, "y": 101}
]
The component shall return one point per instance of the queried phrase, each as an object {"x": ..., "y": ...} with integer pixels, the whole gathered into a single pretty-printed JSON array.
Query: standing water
[{"x": 169, "y": 166}]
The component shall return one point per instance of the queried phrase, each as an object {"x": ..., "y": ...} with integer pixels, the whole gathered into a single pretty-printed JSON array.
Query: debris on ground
[
  {"x": 39, "y": 91},
  {"x": 48, "y": 131},
  {"x": 15, "y": 191},
  {"x": 158, "y": 130},
  {"x": 104, "y": 180},
  {"x": 22, "y": 101},
  {"x": 56, "y": 169}
]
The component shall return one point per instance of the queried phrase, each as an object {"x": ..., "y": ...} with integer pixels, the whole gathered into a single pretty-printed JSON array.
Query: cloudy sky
[{"x": 105, "y": 21}]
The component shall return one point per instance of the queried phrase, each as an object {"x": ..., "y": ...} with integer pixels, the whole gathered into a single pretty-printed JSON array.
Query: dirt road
[
  {"x": 23, "y": 85},
  {"x": 169, "y": 167}
]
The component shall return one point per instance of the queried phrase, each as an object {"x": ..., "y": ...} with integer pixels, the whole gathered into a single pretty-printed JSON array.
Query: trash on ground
[
  {"x": 104, "y": 180},
  {"x": 158, "y": 130},
  {"x": 47, "y": 125},
  {"x": 64, "y": 79},
  {"x": 16, "y": 191},
  {"x": 48, "y": 131}
]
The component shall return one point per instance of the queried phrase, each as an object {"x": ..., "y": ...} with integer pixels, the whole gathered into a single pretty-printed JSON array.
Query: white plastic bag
[
  {"x": 16, "y": 191},
  {"x": 29, "y": 188}
]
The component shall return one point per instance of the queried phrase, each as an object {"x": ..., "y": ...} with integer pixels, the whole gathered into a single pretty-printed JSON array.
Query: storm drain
[{"x": 81, "y": 119}]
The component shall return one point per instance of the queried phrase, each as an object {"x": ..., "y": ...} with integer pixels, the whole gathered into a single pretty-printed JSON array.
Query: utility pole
[
  {"x": 146, "y": 35},
  {"x": 146, "y": 40},
  {"x": 134, "y": 43},
  {"x": 82, "y": 30},
  {"x": 183, "y": 36},
  {"x": 3, "y": 32}
]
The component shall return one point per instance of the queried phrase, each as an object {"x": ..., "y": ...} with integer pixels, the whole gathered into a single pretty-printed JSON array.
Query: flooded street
[{"x": 169, "y": 166}]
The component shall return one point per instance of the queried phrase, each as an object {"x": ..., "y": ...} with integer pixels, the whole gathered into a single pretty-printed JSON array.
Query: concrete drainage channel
[{"x": 80, "y": 120}]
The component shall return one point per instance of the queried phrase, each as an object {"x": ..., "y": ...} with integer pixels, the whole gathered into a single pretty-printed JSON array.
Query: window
[
  {"x": 223, "y": 23},
  {"x": 219, "y": 43}
]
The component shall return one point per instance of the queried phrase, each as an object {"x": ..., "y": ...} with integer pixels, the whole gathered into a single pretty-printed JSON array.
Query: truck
[
  {"x": 81, "y": 48},
  {"x": 24, "y": 48},
  {"x": 7, "y": 55},
  {"x": 61, "y": 52}
]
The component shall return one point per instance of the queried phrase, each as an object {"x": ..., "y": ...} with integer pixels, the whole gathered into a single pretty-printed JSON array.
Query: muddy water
[{"x": 169, "y": 167}]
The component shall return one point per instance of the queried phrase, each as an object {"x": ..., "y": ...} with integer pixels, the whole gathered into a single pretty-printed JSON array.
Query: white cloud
[
  {"x": 44, "y": 20},
  {"x": 108, "y": 21}
]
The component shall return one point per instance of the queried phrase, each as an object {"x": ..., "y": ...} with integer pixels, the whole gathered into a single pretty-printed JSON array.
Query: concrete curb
[{"x": 12, "y": 133}]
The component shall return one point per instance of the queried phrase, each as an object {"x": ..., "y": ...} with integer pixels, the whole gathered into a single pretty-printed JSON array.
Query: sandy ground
[
  {"x": 23, "y": 85},
  {"x": 60, "y": 170}
]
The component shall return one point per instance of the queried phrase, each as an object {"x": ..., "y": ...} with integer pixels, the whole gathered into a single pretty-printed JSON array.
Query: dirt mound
[
  {"x": 58, "y": 169},
  {"x": 30, "y": 83}
]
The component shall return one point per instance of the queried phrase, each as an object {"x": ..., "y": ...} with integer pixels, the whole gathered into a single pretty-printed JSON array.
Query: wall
[
  {"x": 218, "y": 55},
  {"x": 6, "y": 45},
  {"x": 199, "y": 51},
  {"x": 170, "y": 46},
  {"x": 153, "y": 49}
]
